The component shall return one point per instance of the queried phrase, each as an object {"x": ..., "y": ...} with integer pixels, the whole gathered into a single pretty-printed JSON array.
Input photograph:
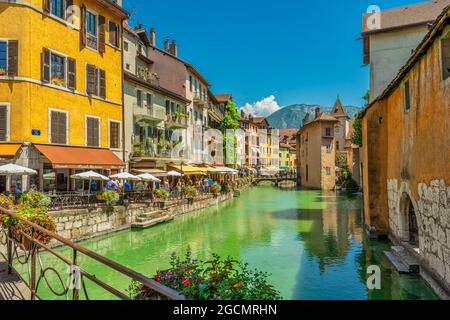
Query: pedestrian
[{"x": 127, "y": 186}]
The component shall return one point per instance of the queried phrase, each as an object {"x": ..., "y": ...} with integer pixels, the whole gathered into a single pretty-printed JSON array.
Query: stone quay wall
[
  {"x": 82, "y": 224},
  {"x": 432, "y": 209}
]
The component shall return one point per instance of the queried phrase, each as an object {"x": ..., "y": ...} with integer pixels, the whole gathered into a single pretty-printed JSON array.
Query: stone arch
[{"x": 409, "y": 219}]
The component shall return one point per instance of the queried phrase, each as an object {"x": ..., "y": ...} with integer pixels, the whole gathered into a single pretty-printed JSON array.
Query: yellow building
[
  {"x": 61, "y": 88},
  {"x": 284, "y": 157}
]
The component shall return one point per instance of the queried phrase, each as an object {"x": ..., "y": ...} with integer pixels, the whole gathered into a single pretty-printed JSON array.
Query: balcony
[
  {"x": 200, "y": 100},
  {"x": 179, "y": 120},
  {"x": 149, "y": 112},
  {"x": 152, "y": 149},
  {"x": 215, "y": 111}
]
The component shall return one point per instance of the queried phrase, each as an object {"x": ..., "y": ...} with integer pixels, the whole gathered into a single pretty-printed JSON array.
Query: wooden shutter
[
  {"x": 446, "y": 58},
  {"x": 102, "y": 83},
  {"x": 83, "y": 26},
  {"x": 46, "y": 5},
  {"x": 71, "y": 73},
  {"x": 13, "y": 58},
  {"x": 366, "y": 41},
  {"x": 58, "y": 127},
  {"x": 91, "y": 74},
  {"x": 3, "y": 123},
  {"x": 46, "y": 65},
  {"x": 93, "y": 125},
  {"x": 101, "y": 34},
  {"x": 114, "y": 132}
]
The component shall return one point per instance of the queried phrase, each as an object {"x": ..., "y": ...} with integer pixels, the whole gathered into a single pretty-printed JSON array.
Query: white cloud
[{"x": 263, "y": 108}]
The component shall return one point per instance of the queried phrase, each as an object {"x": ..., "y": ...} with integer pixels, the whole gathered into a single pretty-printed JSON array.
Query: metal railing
[{"x": 23, "y": 248}]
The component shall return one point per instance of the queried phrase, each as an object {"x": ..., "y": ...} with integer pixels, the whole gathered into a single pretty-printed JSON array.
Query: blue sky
[{"x": 298, "y": 51}]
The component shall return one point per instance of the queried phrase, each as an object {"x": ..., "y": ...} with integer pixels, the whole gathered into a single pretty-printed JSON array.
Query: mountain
[{"x": 292, "y": 116}]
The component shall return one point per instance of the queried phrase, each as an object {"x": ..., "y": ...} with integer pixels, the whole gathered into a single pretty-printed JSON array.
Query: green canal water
[{"x": 312, "y": 243}]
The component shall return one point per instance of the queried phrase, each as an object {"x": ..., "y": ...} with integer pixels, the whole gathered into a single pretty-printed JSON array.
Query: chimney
[
  {"x": 317, "y": 113},
  {"x": 152, "y": 37},
  {"x": 173, "y": 48},
  {"x": 166, "y": 44}
]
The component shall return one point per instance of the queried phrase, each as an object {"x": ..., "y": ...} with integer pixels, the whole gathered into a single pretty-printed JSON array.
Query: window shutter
[
  {"x": 93, "y": 132},
  {"x": 46, "y": 65},
  {"x": 83, "y": 26},
  {"x": 446, "y": 58},
  {"x": 102, "y": 83},
  {"x": 46, "y": 5},
  {"x": 13, "y": 58},
  {"x": 58, "y": 124},
  {"x": 91, "y": 79},
  {"x": 72, "y": 73},
  {"x": 3, "y": 123},
  {"x": 101, "y": 34},
  {"x": 366, "y": 41}
]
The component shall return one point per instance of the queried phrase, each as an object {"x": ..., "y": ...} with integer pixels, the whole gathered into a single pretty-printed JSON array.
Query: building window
[
  {"x": 446, "y": 58},
  {"x": 139, "y": 97},
  {"x": 113, "y": 34},
  {"x": 328, "y": 171},
  {"x": 167, "y": 106},
  {"x": 125, "y": 46},
  {"x": 58, "y": 69},
  {"x": 337, "y": 146},
  {"x": 92, "y": 132},
  {"x": 96, "y": 81},
  {"x": 172, "y": 107},
  {"x": 92, "y": 30},
  {"x": 3, "y": 58},
  {"x": 190, "y": 83},
  {"x": 149, "y": 100},
  {"x": 114, "y": 135},
  {"x": 328, "y": 148},
  {"x": 407, "y": 96},
  {"x": 328, "y": 132},
  {"x": 58, "y": 127},
  {"x": 58, "y": 8},
  {"x": 4, "y": 123}
]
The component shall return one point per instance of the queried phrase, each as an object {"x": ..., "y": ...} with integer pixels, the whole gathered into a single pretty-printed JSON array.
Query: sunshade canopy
[
  {"x": 148, "y": 177},
  {"x": 125, "y": 176},
  {"x": 16, "y": 170},
  {"x": 89, "y": 175}
]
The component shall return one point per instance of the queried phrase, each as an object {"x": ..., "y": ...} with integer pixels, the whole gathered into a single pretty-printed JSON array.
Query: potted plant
[
  {"x": 162, "y": 195},
  {"x": 191, "y": 194},
  {"x": 38, "y": 216},
  {"x": 2, "y": 71},
  {"x": 58, "y": 81},
  {"x": 111, "y": 198},
  {"x": 216, "y": 189}
]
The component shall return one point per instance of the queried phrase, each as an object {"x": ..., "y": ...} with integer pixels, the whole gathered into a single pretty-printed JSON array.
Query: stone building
[
  {"x": 390, "y": 39},
  {"x": 316, "y": 152},
  {"x": 406, "y": 152}
]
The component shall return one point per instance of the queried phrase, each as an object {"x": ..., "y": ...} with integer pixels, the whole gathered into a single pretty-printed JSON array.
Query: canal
[{"x": 312, "y": 243}]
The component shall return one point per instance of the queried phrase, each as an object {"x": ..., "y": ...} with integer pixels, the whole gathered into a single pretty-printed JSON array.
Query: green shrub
[
  {"x": 216, "y": 279},
  {"x": 162, "y": 194},
  {"x": 191, "y": 192},
  {"x": 35, "y": 199},
  {"x": 350, "y": 185},
  {"x": 216, "y": 188},
  {"x": 110, "y": 197}
]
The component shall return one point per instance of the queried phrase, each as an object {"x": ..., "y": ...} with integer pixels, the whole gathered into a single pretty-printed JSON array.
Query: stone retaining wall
[
  {"x": 82, "y": 224},
  {"x": 432, "y": 208}
]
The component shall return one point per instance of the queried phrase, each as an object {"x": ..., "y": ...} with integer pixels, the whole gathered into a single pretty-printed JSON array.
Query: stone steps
[
  {"x": 402, "y": 261},
  {"x": 411, "y": 263}
]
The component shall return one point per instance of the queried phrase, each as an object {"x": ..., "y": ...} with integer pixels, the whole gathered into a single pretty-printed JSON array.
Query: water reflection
[{"x": 311, "y": 242}]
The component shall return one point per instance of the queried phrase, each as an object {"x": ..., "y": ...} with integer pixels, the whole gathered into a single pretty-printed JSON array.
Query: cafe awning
[
  {"x": 80, "y": 158},
  {"x": 187, "y": 169},
  {"x": 9, "y": 150},
  {"x": 153, "y": 172}
]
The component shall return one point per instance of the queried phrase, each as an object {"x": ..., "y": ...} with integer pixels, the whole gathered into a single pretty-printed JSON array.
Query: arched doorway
[{"x": 408, "y": 221}]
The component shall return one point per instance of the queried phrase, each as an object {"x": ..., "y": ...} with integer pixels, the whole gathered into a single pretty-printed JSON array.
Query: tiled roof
[
  {"x": 223, "y": 97},
  {"x": 411, "y": 15}
]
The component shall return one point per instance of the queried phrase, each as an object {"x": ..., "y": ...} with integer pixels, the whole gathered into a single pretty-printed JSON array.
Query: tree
[
  {"x": 367, "y": 98},
  {"x": 357, "y": 131},
  {"x": 230, "y": 122}
]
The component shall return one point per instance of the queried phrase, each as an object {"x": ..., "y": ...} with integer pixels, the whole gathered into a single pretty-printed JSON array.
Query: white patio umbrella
[
  {"x": 174, "y": 174},
  {"x": 125, "y": 176},
  {"x": 224, "y": 170},
  {"x": 89, "y": 175},
  {"x": 148, "y": 177},
  {"x": 16, "y": 170}
]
